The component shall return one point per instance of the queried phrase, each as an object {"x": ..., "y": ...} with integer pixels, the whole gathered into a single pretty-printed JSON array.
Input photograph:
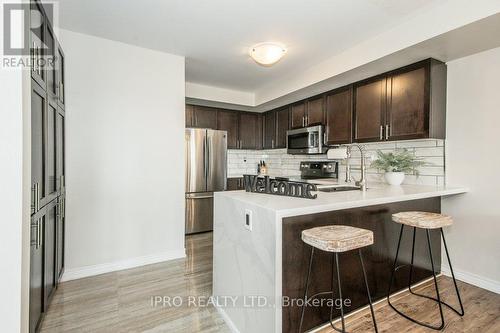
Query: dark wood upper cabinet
[
  {"x": 189, "y": 113},
  {"x": 298, "y": 115},
  {"x": 315, "y": 111},
  {"x": 407, "y": 105},
  {"x": 416, "y": 101},
  {"x": 282, "y": 126},
  {"x": 269, "y": 130},
  {"x": 204, "y": 117},
  {"x": 250, "y": 131},
  {"x": 228, "y": 121},
  {"x": 369, "y": 110},
  {"x": 339, "y": 116}
]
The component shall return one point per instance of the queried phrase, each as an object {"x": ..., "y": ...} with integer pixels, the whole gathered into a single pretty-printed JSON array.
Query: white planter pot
[{"x": 394, "y": 178}]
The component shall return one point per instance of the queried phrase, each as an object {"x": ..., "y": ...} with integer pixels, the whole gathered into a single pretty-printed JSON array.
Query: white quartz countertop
[{"x": 377, "y": 193}]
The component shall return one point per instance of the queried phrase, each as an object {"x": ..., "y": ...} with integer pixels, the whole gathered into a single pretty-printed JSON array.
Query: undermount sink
[{"x": 338, "y": 188}]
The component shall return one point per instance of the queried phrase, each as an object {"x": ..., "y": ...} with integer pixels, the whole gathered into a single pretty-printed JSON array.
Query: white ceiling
[{"x": 214, "y": 35}]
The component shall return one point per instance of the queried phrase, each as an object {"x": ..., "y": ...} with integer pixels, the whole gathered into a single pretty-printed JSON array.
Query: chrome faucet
[{"x": 361, "y": 183}]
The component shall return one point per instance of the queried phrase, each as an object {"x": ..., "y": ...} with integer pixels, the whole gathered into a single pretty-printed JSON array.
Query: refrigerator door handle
[
  {"x": 209, "y": 160},
  {"x": 205, "y": 159}
]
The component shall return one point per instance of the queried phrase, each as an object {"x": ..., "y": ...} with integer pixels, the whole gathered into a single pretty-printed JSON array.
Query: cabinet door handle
[
  {"x": 381, "y": 132},
  {"x": 387, "y": 132},
  {"x": 272, "y": 143}
]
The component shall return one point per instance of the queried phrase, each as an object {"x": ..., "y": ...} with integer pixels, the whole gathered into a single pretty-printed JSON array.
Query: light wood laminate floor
[{"x": 121, "y": 302}]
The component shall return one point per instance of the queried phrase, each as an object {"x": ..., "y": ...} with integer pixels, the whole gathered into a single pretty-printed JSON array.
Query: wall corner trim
[
  {"x": 474, "y": 279},
  {"x": 86, "y": 271}
]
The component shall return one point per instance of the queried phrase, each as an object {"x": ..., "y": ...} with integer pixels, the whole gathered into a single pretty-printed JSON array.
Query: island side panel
[
  {"x": 378, "y": 258},
  {"x": 244, "y": 264}
]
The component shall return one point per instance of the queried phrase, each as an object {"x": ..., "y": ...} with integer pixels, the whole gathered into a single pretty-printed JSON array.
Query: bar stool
[
  {"x": 336, "y": 239},
  {"x": 427, "y": 221}
]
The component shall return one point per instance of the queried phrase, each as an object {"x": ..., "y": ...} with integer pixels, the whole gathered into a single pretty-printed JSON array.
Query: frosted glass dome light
[{"x": 267, "y": 54}]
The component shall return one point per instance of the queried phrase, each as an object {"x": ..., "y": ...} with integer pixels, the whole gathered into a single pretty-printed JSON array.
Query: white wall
[
  {"x": 473, "y": 160},
  {"x": 15, "y": 174},
  {"x": 211, "y": 93},
  {"x": 125, "y": 152}
]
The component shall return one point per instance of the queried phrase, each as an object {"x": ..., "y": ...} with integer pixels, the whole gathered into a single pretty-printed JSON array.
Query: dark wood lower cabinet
[
  {"x": 378, "y": 259},
  {"x": 235, "y": 184}
]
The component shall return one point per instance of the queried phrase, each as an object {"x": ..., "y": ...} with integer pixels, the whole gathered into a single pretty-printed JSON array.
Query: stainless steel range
[{"x": 317, "y": 170}]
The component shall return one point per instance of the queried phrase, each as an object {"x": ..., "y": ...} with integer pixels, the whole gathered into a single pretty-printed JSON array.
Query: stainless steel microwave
[{"x": 308, "y": 140}]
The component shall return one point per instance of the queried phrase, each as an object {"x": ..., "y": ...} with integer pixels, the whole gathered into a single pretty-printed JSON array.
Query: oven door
[{"x": 307, "y": 140}]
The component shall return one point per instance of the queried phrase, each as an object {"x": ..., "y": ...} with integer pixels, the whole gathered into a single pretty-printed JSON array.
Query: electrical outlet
[{"x": 248, "y": 219}]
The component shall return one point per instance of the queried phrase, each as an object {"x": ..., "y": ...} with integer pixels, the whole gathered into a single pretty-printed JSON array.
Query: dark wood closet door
[
  {"x": 60, "y": 76},
  {"x": 298, "y": 115},
  {"x": 36, "y": 274},
  {"x": 51, "y": 151},
  {"x": 49, "y": 249},
  {"x": 228, "y": 121},
  {"x": 315, "y": 111},
  {"x": 339, "y": 117},
  {"x": 205, "y": 117},
  {"x": 408, "y": 105},
  {"x": 38, "y": 146},
  {"x": 370, "y": 110},
  {"x": 269, "y": 130},
  {"x": 60, "y": 151},
  {"x": 282, "y": 126}
]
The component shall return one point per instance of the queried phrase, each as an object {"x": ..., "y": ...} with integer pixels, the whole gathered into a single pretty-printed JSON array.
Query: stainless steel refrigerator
[{"x": 206, "y": 172}]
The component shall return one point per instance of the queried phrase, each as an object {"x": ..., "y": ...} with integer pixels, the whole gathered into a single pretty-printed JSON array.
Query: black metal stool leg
[
  {"x": 436, "y": 285},
  {"x": 410, "y": 277},
  {"x": 438, "y": 299},
  {"x": 307, "y": 287},
  {"x": 394, "y": 267},
  {"x": 462, "y": 312},
  {"x": 340, "y": 295},
  {"x": 368, "y": 291}
]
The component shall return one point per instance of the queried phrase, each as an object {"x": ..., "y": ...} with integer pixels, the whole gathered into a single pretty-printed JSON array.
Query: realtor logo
[{"x": 25, "y": 35}]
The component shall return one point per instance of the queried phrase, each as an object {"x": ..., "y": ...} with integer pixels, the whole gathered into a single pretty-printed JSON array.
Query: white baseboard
[
  {"x": 474, "y": 279},
  {"x": 86, "y": 271},
  {"x": 227, "y": 320}
]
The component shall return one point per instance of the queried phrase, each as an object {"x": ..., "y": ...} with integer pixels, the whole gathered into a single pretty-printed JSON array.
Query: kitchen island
[{"x": 261, "y": 262}]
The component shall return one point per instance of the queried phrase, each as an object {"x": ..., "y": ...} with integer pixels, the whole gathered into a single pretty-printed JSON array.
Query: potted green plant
[{"x": 396, "y": 164}]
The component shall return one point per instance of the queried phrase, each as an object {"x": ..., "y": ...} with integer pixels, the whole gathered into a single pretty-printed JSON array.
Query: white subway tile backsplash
[{"x": 280, "y": 163}]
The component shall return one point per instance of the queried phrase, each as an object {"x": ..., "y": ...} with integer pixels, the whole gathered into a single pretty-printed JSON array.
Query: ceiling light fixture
[{"x": 267, "y": 54}]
